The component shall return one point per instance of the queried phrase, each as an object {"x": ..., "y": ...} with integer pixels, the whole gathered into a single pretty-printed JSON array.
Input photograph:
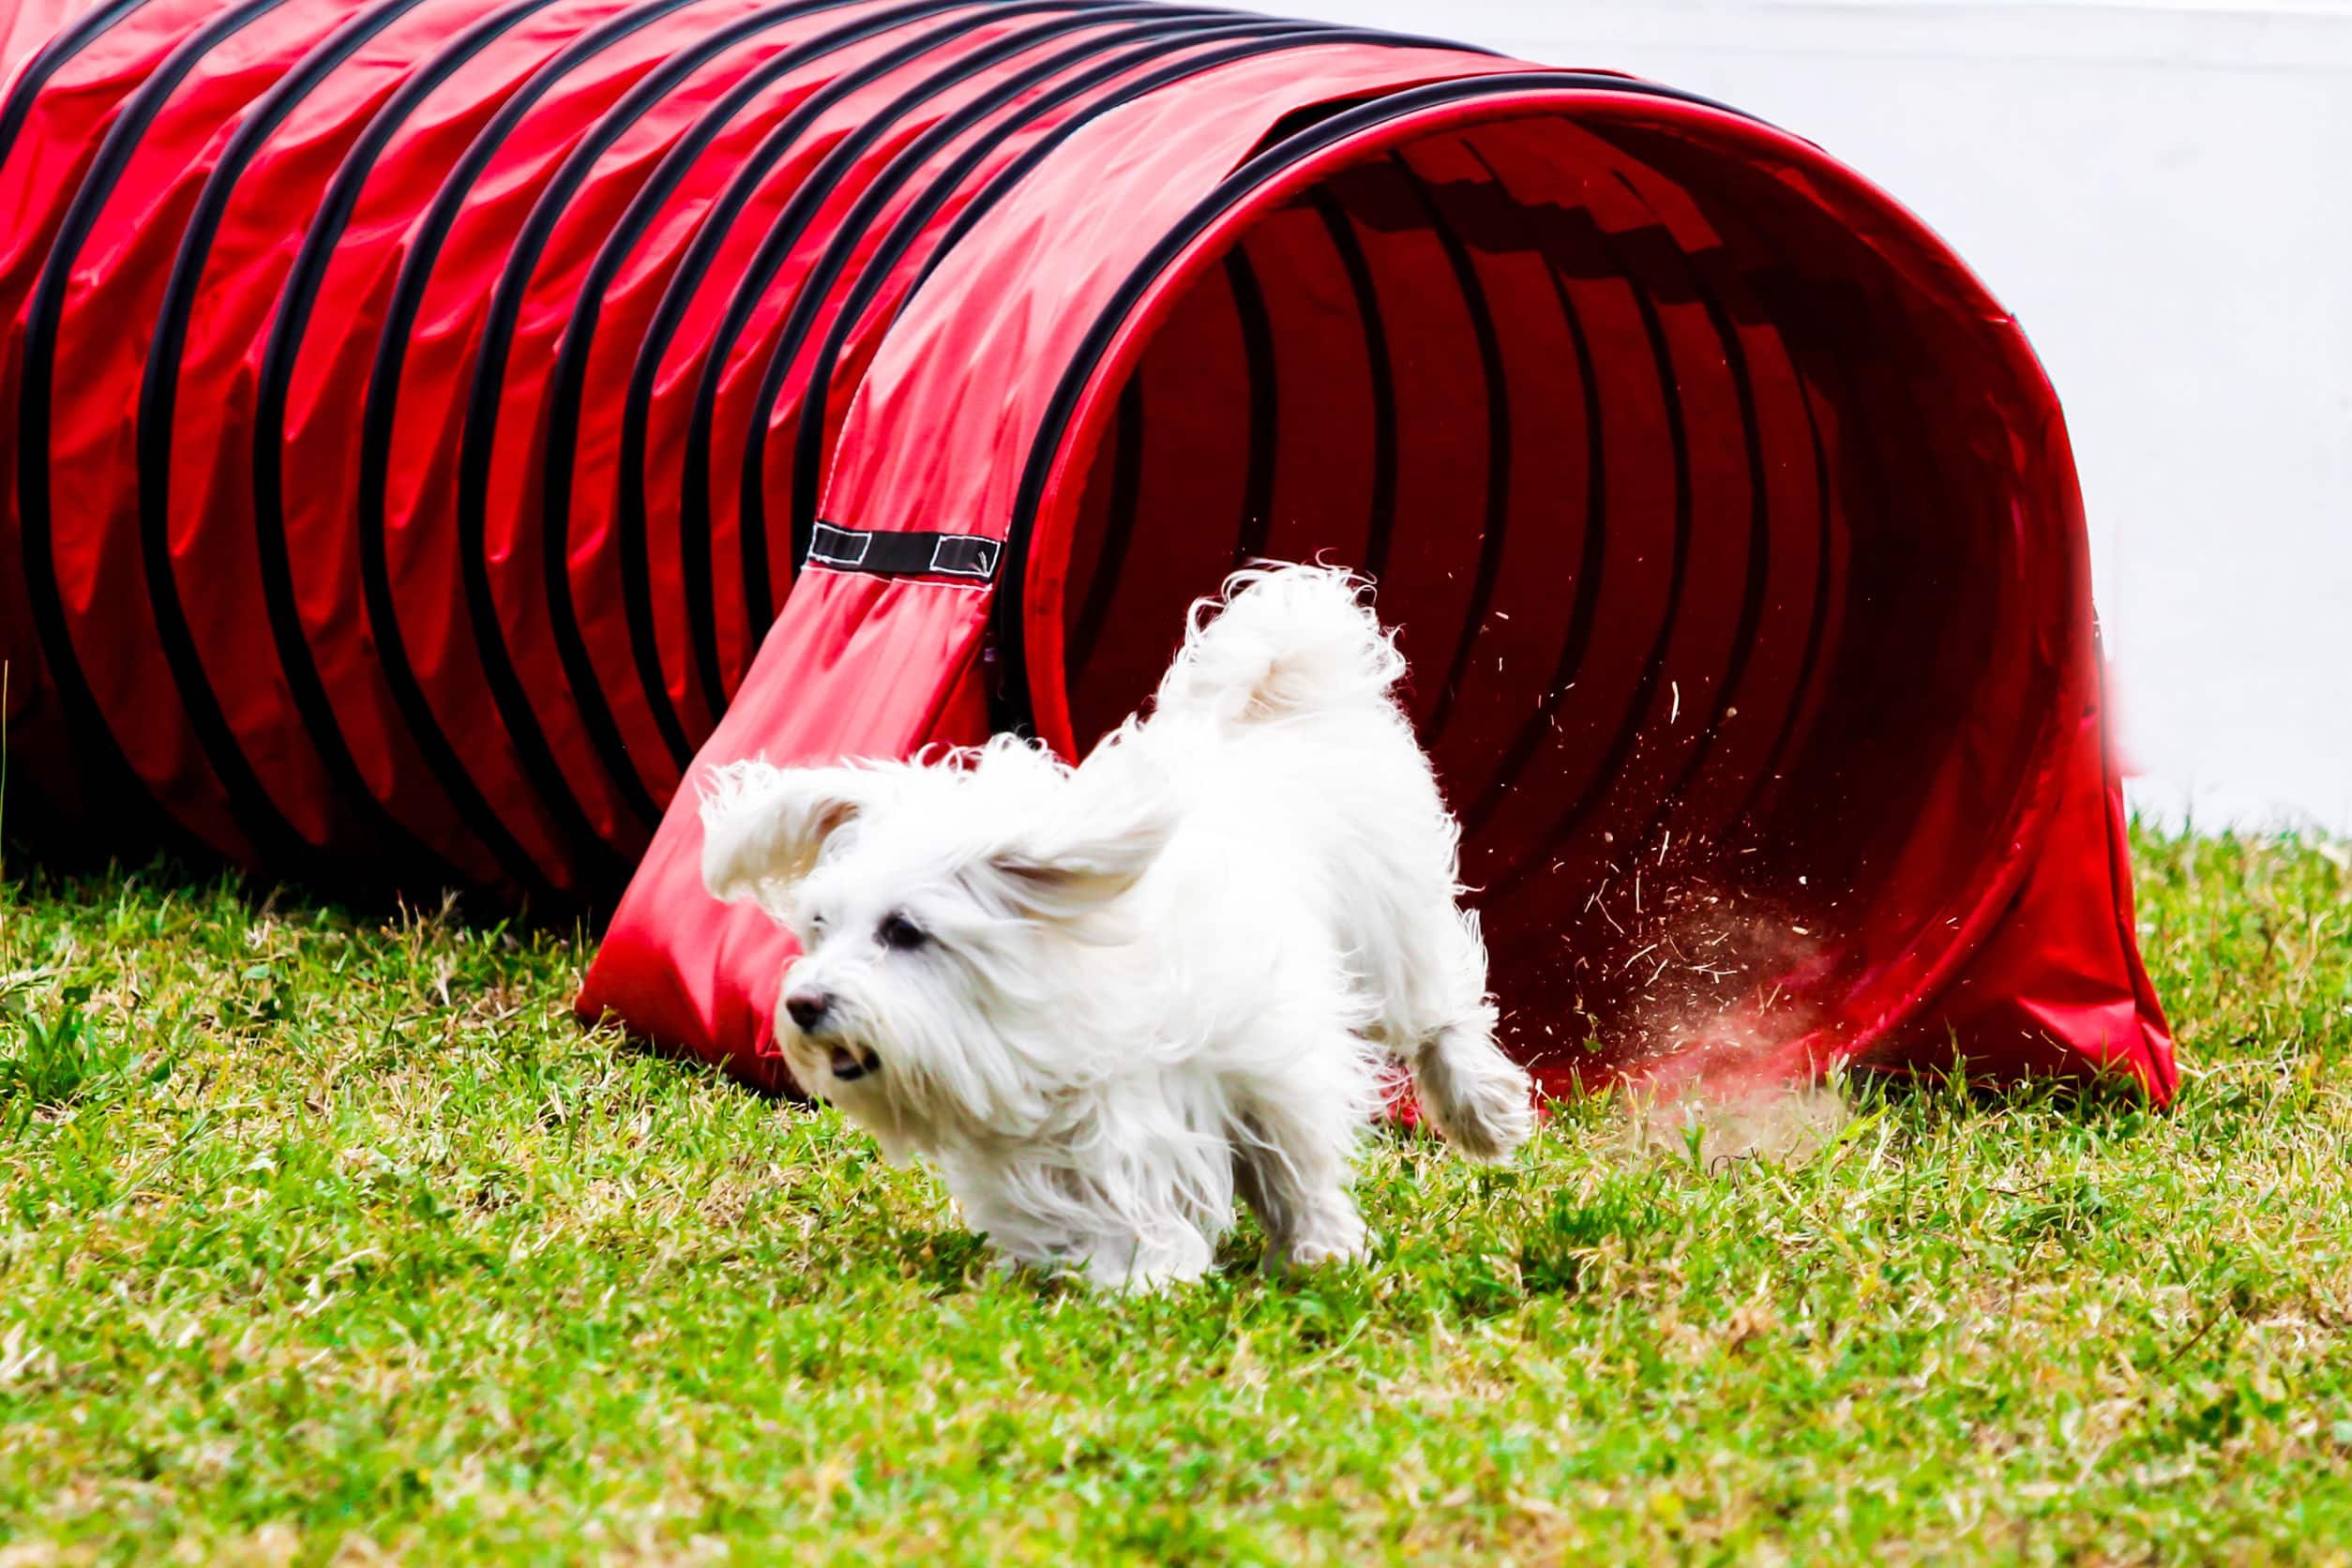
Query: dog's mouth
[{"x": 850, "y": 1064}]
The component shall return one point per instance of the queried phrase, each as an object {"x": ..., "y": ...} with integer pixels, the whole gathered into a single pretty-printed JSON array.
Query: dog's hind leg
[
  {"x": 1292, "y": 1166},
  {"x": 1444, "y": 1027}
]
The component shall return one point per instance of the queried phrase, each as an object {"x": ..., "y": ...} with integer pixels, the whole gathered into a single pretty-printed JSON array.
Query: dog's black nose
[{"x": 808, "y": 1009}]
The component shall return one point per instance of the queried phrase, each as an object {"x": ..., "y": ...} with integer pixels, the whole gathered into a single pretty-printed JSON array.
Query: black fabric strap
[{"x": 889, "y": 554}]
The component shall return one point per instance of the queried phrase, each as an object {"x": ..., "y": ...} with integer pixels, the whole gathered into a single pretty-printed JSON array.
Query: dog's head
[{"x": 945, "y": 916}]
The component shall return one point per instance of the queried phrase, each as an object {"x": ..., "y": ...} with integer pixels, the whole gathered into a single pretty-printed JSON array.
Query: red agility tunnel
[{"x": 435, "y": 428}]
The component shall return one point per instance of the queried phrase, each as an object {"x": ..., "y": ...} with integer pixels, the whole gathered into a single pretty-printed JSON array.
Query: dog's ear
[
  {"x": 1071, "y": 870},
  {"x": 764, "y": 828}
]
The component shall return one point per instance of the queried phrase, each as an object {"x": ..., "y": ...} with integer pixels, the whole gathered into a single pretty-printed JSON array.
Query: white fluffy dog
[{"x": 1103, "y": 999}]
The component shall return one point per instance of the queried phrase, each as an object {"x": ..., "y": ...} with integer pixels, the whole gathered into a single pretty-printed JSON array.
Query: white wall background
[{"x": 2163, "y": 193}]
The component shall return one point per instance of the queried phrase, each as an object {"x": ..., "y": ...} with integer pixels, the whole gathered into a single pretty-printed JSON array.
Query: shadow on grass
[{"x": 48, "y": 861}]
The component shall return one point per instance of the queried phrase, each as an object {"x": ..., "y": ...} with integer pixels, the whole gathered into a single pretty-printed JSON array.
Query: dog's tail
[{"x": 1282, "y": 642}]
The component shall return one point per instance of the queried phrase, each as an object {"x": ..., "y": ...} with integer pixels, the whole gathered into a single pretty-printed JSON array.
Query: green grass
[{"x": 326, "y": 1238}]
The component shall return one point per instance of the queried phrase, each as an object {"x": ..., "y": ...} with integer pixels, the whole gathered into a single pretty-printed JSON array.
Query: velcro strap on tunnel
[{"x": 899, "y": 554}]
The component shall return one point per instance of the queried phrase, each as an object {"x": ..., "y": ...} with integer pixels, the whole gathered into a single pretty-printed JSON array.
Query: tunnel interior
[{"x": 1704, "y": 516}]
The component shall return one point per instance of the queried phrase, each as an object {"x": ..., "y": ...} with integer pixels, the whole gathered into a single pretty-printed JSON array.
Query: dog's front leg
[
  {"x": 1125, "y": 1228},
  {"x": 1123, "y": 1261},
  {"x": 1171, "y": 1252}
]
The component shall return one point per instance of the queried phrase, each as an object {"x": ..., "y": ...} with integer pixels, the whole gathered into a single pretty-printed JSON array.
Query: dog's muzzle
[{"x": 812, "y": 1014}]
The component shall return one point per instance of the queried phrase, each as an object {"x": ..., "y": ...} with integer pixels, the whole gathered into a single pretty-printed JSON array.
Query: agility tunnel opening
[
  {"x": 432, "y": 432},
  {"x": 1720, "y": 549}
]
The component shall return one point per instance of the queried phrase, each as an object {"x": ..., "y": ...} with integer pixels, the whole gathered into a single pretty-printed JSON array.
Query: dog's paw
[
  {"x": 1304, "y": 1259},
  {"x": 1479, "y": 1098},
  {"x": 1504, "y": 1120},
  {"x": 1338, "y": 1238}
]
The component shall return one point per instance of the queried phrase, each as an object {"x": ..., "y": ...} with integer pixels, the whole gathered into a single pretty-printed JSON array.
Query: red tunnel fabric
[{"x": 436, "y": 429}]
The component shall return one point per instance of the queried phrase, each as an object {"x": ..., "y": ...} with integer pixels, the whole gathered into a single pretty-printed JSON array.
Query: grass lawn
[{"x": 333, "y": 1239}]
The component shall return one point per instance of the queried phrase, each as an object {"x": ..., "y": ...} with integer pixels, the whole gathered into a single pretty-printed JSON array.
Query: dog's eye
[{"x": 898, "y": 931}]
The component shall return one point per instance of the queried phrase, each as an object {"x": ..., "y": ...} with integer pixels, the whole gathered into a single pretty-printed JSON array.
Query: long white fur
[{"x": 1178, "y": 973}]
